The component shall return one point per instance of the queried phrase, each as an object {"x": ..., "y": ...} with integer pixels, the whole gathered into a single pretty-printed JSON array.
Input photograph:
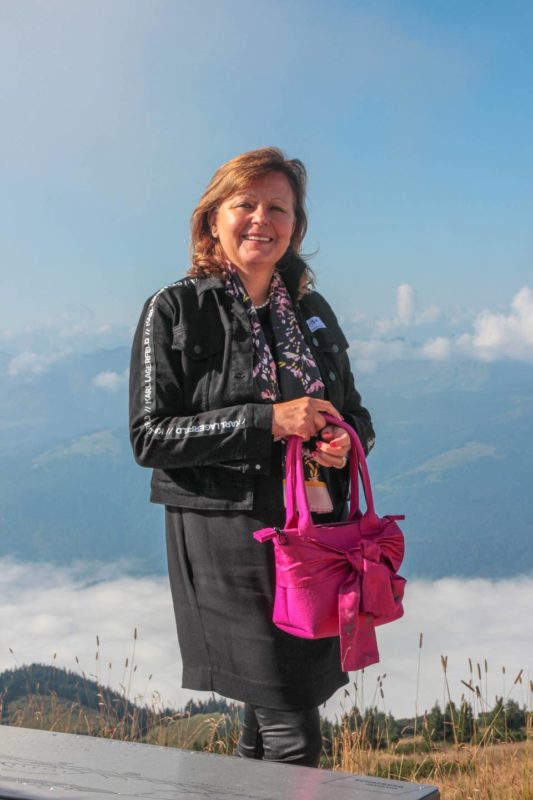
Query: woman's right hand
[{"x": 300, "y": 417}]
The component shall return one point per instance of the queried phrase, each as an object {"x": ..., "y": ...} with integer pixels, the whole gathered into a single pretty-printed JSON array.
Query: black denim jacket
[{"x": 193, "y": 417}]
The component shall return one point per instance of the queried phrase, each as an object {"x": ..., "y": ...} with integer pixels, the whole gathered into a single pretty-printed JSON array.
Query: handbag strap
[{"x": 298, "y": 513}]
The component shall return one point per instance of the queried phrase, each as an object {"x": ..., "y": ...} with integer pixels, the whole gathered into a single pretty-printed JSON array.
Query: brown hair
[{"x": 206, "y": 252}]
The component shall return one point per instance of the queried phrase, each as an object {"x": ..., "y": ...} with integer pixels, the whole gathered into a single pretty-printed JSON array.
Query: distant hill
[
  {"x": 453, "y": 454},
  {"x": 51, "y": 698}
]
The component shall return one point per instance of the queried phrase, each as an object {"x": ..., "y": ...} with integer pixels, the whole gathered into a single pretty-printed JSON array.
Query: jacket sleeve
[{"x": 164, "y": 437}]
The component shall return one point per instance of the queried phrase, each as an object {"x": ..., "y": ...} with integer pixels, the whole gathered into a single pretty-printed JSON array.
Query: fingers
[
  {"x": 330, "y": 409},
  {"x": 334, "y": 448},
  {"x": 324, "y": 407},
  {"x": 336, "y": 441},
  {"x": 335, "y": 432},
  {"x": 328, "y": 460},
  {"x": 319, "y": 422},
  {"x": 301, "y": 417}
]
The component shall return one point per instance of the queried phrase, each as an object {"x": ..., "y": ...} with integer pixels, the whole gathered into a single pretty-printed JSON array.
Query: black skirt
[{"x": 222, "y": 584}]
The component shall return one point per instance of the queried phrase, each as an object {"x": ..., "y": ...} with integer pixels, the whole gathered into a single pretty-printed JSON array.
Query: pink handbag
[{"x": 340, "y": 578}]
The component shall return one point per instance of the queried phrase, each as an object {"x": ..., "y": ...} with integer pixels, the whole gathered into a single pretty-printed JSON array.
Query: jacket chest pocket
[
  {"x": 329, "y": 348},
  {"x": 201, "y": 353}
]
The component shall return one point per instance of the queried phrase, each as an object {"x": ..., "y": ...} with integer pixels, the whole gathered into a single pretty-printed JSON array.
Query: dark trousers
[{"x": 292, "y": 737}]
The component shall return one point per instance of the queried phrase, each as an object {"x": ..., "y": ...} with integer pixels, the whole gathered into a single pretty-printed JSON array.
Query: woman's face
[{"x": 254, "y": 225}]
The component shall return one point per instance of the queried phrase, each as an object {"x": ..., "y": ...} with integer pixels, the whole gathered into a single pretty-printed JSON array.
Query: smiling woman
[
  {"x": 226, "y": 364},
  {"x": 254, "y": 227}
]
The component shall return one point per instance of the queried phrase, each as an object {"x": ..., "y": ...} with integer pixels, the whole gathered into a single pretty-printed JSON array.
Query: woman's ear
[{"x": 212, "y": 222}]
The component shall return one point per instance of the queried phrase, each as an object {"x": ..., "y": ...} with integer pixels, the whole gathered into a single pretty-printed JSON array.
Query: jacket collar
[
  {"x": 211, "y": 282},
  {"x": 291, "y": 268}
]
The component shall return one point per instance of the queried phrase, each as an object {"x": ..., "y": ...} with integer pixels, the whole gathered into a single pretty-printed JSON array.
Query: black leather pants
[{"x": 288, "y": 736}]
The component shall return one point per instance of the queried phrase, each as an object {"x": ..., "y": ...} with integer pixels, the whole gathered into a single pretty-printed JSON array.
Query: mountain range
[{"x": 453, "y": 453}]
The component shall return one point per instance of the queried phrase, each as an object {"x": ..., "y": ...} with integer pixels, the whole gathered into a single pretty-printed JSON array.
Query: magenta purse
[{"x": 340, "y": 578}]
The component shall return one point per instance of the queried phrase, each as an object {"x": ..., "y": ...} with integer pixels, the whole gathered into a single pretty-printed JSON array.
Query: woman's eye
[{"x": 278, "y": 208}]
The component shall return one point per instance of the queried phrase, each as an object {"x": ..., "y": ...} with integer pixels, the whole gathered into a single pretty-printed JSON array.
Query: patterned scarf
[{"x": 291, "y": 374}]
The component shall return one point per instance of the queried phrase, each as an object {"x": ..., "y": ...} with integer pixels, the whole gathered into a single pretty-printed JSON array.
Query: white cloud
[
  {"x": 428, "y": 315},
  {"x": 405, "y": 304},
  {"x": 407, "y": 313},
  {"x": 437, "y": 349},
  {"x": 30, "y": 363},
  {"x": 111, "y": 381},
  {"x": 498, "y": 335},
  {"x": 25, "y": 363},
  {"x": 45, "y": 609}
]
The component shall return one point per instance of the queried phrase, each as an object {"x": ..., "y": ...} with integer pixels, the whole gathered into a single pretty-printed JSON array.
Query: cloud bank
[
  {"x": 53, "y": 615},
  {"x": 493, "y": 336},
  {"x": 413, "y": 332},
  {"x": 34, "y": 349}
]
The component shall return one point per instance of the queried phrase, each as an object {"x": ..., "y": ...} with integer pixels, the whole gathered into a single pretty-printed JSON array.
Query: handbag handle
[
  {"x": 298, "y": 513},
  {"x": 293, "y": 456}
]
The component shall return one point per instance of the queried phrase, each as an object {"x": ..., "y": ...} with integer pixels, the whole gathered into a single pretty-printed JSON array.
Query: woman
[{"x": 225, "y": 365}]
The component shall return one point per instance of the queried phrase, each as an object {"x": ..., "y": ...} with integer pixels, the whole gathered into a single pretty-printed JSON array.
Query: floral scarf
[{"x": 292, "y": 373}]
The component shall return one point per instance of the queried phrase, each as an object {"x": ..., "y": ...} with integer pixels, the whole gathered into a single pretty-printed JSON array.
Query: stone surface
[{"x": 38, "y": 764}]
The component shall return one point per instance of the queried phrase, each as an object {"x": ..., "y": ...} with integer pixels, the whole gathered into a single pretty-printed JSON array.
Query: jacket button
[
  {"x": 197, "y": 348},
  {"x": 315, "y": 341},
  {"x": 258, "y": 466},
  {"x": 335, "y": 348},
  {"x": 332, "y": 376}
]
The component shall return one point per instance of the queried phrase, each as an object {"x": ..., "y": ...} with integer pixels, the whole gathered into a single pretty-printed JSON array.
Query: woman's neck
[{"x": 257, "y": 284}]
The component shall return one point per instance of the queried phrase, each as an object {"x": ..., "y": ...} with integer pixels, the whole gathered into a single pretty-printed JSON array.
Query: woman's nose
[{"x": 260, "y": 215}]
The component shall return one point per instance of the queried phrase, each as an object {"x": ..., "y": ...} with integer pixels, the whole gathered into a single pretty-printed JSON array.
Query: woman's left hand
[{"x": 332, "y": 450}]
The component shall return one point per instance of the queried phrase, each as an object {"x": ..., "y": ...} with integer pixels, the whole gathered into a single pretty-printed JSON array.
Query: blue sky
[{"x": 414, "y": 119}]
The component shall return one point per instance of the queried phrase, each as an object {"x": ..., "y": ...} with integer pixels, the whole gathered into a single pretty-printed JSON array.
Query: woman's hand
[
  {"x": 301, "y": 417},
  {"x": 333, "y": 450}
]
